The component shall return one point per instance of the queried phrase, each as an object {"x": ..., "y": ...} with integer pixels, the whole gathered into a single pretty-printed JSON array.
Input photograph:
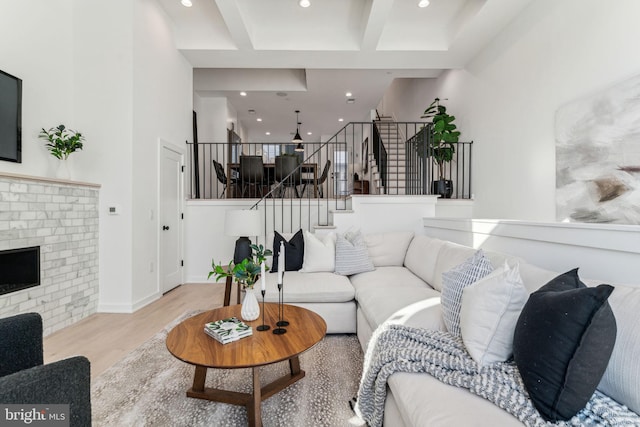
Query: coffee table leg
[
  {"x": 199, "y": 378},
  {"x": 254, "y": 413},
  {"x": 294, "y": 365}
]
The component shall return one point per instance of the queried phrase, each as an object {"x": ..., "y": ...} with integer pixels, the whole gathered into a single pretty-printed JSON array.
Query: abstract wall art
[{"x": 598, "y": 157}]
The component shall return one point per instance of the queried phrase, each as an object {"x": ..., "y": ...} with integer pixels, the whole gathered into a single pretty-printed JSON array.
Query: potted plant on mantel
[
  {"x": 444, "y": 136},
  {"x": 62, "y": 142},
  {"x": 246, "y": 274}
]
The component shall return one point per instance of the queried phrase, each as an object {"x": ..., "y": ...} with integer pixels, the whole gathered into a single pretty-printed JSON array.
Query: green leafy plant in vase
[
  {"x": 62, "y": 141},
  {"x": 246, "y": 274},
  {"x": 442, "y": 142}
]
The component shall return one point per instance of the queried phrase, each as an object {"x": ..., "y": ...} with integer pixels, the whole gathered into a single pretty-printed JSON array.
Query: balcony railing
[{"x": 323, "y": 175}]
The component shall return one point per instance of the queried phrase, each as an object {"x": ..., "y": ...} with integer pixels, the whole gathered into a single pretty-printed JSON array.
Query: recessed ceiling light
[
  {"x": 243, "y": 93},
  {"x": 423, "y": 3},
  {"x": 258, "y": 119},
  {"x": 186, "y": 3},
  {"x": 348, "y": 94},
  {"x": 304, "y": 3},
  {"x": 341, "y": 119},
  {"x": 267, "y": 133},
  {"x": 309, "y": 133}
]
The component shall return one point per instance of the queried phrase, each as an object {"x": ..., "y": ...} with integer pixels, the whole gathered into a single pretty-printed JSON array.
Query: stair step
[{"x": 324, "y": 227}]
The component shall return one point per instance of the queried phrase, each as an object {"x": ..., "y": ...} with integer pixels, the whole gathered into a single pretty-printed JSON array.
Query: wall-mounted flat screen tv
[{"x": 10, "y": 118}]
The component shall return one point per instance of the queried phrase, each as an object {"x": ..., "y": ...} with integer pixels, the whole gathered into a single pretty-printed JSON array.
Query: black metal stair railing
[{"x": 305, "y": 198}]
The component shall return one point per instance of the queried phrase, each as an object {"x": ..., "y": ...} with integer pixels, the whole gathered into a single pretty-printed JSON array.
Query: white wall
[
  {"x": 212, "y": 119},
  {"x": 103, "y": 109},
  {"x": 605, "y": 253},
  {"x": 162, "y": 109},
  {"x": 36, "y": 47},
  {"x": 111, "y": 71},
  {"x": 506, "y": 98}
]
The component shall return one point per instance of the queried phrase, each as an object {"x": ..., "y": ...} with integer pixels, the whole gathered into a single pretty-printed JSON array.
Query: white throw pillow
[
  {"x": 319, "y": 253},
  {"x": 454, "y": 281},
  {"x": 490, "y": 310}
]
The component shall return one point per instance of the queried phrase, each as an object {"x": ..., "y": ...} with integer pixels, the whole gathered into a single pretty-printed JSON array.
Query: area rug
[{"x": 148, "y": 388}]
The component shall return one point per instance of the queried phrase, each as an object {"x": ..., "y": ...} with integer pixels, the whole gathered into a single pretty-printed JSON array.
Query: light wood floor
[{"x": 105, "y": 338}]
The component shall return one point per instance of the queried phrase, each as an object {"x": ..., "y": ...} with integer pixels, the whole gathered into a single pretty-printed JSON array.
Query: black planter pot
[{"x": 443, "y": 187}]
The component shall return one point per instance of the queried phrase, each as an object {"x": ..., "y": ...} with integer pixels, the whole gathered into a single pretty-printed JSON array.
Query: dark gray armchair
[{"x": 25, "y": 379}]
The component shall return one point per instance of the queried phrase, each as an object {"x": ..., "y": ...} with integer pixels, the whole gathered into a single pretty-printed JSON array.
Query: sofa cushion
[
  {"x": 319, "y": 253},
  {"x": 449, "y": 256},
  {"x": 422, "y": 256},
  {"x": 426, "y": 314},
  {"x": 293, "y": 252},
  {"x": 562, "y": 344},
  {"x": 534, "y": 277},
  {"x": 490, "y": 309},
  {"x": 310, "y": 287},
  {"x": 621, "y": 380},
  {"x": 379, "y": 304},
  {"x": 454, "y": 281},
  {"x": 352, "y": 256},
  {"x": 388, "y": 249},
  {"x": 383, "y": 277},
  {"x": 424, "y": 400}
]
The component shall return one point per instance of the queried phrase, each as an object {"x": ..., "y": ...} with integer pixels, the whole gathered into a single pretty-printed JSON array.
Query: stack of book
[{"x": 228, "y": 330}]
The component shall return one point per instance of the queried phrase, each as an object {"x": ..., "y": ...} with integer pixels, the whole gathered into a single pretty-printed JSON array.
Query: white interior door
[{"x": 170, "y": 217}]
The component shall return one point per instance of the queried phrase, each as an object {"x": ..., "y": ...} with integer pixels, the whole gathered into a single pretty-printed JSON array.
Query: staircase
[{"x": 394, "y": 143}]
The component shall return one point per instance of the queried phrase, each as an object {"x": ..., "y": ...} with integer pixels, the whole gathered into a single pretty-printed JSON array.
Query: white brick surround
[{"x": 62, "y": 218}]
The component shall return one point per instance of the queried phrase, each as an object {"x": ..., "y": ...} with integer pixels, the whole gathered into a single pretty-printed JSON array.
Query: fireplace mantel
[{"x": 48, "y": 180}]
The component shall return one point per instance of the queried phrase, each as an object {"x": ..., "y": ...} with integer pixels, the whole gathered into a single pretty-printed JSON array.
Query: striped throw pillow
[
  {"x": 453, "y": 283},
  {"x": 352, "y": 256}
]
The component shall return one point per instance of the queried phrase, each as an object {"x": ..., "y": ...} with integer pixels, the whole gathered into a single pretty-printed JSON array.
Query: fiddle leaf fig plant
[
  {"x": 245, "y": 273},
  {"x": 444, "y": 135},
  {"x": 62, "y": 141}
]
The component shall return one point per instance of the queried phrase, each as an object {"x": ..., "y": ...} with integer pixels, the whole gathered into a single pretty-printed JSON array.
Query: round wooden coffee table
[{"x": 189, "y": 343}]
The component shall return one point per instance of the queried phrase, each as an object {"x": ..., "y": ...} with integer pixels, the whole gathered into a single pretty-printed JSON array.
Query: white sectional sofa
[{"x": 405, "y": 288}]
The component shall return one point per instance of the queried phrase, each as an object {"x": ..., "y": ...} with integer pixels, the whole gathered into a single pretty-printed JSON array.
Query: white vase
[
  {"x": 63, "y": 171},
  {"x": 250, "y": 307}
]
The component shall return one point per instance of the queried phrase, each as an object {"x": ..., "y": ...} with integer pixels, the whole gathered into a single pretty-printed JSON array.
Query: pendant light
[{"x": 298, "y": 138}]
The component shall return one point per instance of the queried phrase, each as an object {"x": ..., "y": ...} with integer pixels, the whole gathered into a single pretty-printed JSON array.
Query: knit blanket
[{"x": 397, "y": 348}]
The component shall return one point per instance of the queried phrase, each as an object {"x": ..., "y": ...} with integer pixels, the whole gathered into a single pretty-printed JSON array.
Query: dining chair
[
  {"x": 251, "y": 175},
  {"x": 285, "y": 165},
  {"x": 317, "y": 182},
  {"x": 222, "y": 178}
]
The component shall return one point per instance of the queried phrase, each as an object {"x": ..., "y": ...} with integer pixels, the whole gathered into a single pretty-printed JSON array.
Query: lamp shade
[
  {"x": 297, "y": 138},
  {"x": 242, "y": 223}
]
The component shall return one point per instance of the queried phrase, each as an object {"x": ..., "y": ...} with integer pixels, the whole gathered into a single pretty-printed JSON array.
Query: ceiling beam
[
  {"x": 373, "y": 22},
  {"x": 236, "y": 24}
]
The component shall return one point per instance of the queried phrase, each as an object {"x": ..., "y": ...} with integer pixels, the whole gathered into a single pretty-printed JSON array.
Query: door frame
[{"x": 162, "y": 145}]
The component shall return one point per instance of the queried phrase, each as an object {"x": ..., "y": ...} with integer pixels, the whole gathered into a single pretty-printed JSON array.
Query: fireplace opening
[{"x": 19, "y": 269}]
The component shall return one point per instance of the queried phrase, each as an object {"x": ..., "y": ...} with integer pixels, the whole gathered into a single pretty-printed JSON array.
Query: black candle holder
[
  {"x": 263, "y": 327},
  {"x": 280, "y": 330}
]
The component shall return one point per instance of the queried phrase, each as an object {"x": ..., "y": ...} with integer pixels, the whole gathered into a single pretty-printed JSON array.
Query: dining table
[{"x": 233, "y": 169}]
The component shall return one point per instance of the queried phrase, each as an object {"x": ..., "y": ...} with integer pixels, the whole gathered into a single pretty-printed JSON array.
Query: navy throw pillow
[
  {"x": 293, "y": 252},
  {"x": 562, "y": 344}
]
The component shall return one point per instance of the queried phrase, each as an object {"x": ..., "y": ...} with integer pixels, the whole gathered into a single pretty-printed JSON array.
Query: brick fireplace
[{"x": 60, "y": 218}]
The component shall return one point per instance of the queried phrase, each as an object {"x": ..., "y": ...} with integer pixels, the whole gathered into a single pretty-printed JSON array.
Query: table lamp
[{"x": 242, "y": 223}]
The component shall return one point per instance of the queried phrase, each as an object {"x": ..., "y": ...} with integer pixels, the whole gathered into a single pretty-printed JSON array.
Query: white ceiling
[{"x": 315, "y": 55}]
